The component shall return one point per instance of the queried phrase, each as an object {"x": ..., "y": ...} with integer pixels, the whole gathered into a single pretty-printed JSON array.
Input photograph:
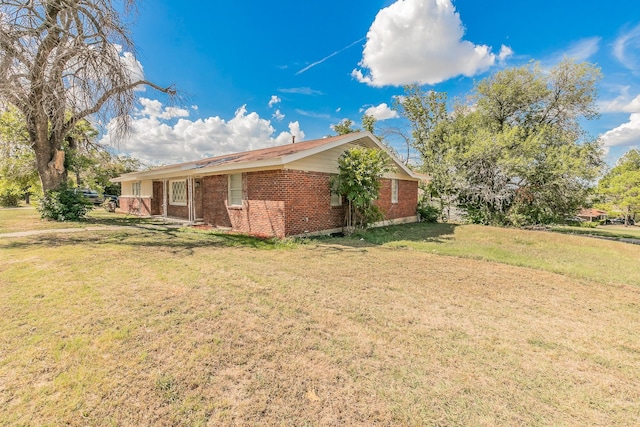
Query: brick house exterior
[{"x": 280, "y": 191}]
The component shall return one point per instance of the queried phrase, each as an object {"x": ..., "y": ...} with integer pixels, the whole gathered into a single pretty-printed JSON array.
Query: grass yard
[
  {"x": 614, "y": 231},
  {"x": 412, "y": 325},
  {"x": 28, "y": 219}
]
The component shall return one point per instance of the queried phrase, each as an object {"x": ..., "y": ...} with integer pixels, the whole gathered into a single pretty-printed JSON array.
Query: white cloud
[
  {"x": 314, "y": 115},
  {"x": 301, "y": 91},
  {"x": 624, "y": 135},
  {"x": 155, "y": 141},
  {"x": 621, "y": 104},
  {"x": 274, "y": 100},
  {"x": 294, "y": 130},
  {"x": 505, "y": 52},
  {"x": 381, "y": 112},
  {"x": 278, "y": 116},
  {"x": 630, "y": 58},
  {"x": 154, "y": 109},
  {"x": 136, "y": 71},
  {"x": 627, "y": 134},
  {"x": 420, "y": 41},
  {"x": 583, "y": 49}
]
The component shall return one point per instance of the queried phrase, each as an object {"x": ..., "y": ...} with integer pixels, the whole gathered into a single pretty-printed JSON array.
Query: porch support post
[
  {"x": 164, "y": 198},
  {"x": 190, "y": 199}
]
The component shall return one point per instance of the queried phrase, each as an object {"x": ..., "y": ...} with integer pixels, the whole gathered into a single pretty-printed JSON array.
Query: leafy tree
[
  {"x": 344, "y": 127},
  {"x": 527, "y": 130},
  {"x": 517, "y": 155},
  {"x": 427, "y": 114},
  {"x": 621, "y": 185},
  {"x": 369, "y": 123},
  {"x": 61, "y": 62},
  {"x": 358, "y": 180},
  {"x": 18, "y": 176}
]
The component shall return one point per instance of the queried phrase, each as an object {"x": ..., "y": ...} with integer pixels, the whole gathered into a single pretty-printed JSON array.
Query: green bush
[
  {"x": 589, "y": 224},
  {"x": 64, "y": 204},
  {"x": 10, "y": 195},
  {"x": 428, "y": 213}
]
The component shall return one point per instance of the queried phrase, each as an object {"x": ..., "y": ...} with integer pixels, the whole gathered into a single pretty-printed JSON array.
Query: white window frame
[
  {"x": 172, "y": 196},
  {"x": 235, "y": 196},
  {"x": 136, "y": 188},
  {"x": 336, "y": 199},
  {"x": 394, "y": 191}
]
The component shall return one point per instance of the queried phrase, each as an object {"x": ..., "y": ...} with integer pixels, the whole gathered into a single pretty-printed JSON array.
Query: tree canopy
[
  {"x": 62, "y": 62},
  {"x": 358, "y": 180},
  {"x": 620, "y": 187},
  {"x": 515, "y": 153}
]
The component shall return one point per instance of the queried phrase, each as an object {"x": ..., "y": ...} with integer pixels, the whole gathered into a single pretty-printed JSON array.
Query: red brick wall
[
  {"x": 214, "y": 200},
  {"x": 308, "y": 203},
  {"x": 289, "y": 202},
  {"x": 407, "y": 199},
  {"x": 135, "y": 205}
]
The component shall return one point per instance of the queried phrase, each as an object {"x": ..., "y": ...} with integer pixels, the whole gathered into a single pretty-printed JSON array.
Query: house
[
  {"x": 592, "y": 214},
  {"x": 278, "y": 191}
]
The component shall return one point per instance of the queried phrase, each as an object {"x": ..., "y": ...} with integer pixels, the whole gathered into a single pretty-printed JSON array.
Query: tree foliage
[
  {"x": 18, "y": 175},
  {"x": 345, "y": 127},
  {"x": 63, "y": 204},
  {"x": 60, "y": 62},
  {"x": 517, "y": 154},
  {"x": 358, "y": 181},
  {"x": 620, "y": 187}
]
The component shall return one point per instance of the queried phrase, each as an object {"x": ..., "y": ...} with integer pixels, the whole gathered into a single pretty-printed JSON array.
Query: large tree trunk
[
  {"x": 626, "y": 216},
  {"x": 49, "y": 157}
]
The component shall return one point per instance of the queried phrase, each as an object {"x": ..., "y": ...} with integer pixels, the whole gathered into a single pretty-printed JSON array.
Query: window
[
  {"x": 135, "y": 188},
  {"x": 394, "y": 191},
  {"x": 336, "y": 198},
  {"x": 235, "y": 189},
  {"x": 178, "y": 193}
]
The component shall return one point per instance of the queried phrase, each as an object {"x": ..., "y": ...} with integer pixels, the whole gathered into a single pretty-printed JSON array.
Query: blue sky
[{"x": 252, "y": 74}]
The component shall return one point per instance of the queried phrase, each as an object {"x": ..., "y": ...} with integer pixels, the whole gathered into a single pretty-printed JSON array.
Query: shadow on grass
[
  {"x": 153, "y": 233},
  {"x": 176, "y": 240},
  {"x": 606, "y": 233},
  {"x": 415, "y": 232}
]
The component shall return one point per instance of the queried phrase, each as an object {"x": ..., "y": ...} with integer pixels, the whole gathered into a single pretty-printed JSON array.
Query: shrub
[
  {"x": 358, "y": 180},
  {"x": 64, "y": 204},
  {"x": 10, "y": 195},
  {"x": 589, "y": 224},
  {"x": 428, "y": 213}
]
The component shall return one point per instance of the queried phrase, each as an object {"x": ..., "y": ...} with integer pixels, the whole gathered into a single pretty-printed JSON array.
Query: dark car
[
  {"x": 91, "y": 195},
  {"x": 112, "y": 198},
  {"x": 621, "y": 221}
]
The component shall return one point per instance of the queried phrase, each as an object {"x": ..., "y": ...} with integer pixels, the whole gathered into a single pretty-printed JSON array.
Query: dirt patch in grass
[{"x": 151, "y": 328}]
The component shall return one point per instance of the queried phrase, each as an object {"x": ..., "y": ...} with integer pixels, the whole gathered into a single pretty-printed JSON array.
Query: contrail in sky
[{"x": 327, "y": 57}]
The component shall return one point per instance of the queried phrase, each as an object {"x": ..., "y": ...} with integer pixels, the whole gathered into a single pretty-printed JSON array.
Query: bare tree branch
[{"x": 62, "y": 61}]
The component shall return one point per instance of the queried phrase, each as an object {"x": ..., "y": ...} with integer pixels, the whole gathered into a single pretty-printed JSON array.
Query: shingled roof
[{"x": 264, "y": 157}]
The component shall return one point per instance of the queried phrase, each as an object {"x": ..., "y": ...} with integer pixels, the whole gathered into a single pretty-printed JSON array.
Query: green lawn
[
  {"x": 28, "y": 219},
  {"x": 412, "y": 325},
  {"x": 615, "y": 231},
  {"x": 586, "y": 258}
]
